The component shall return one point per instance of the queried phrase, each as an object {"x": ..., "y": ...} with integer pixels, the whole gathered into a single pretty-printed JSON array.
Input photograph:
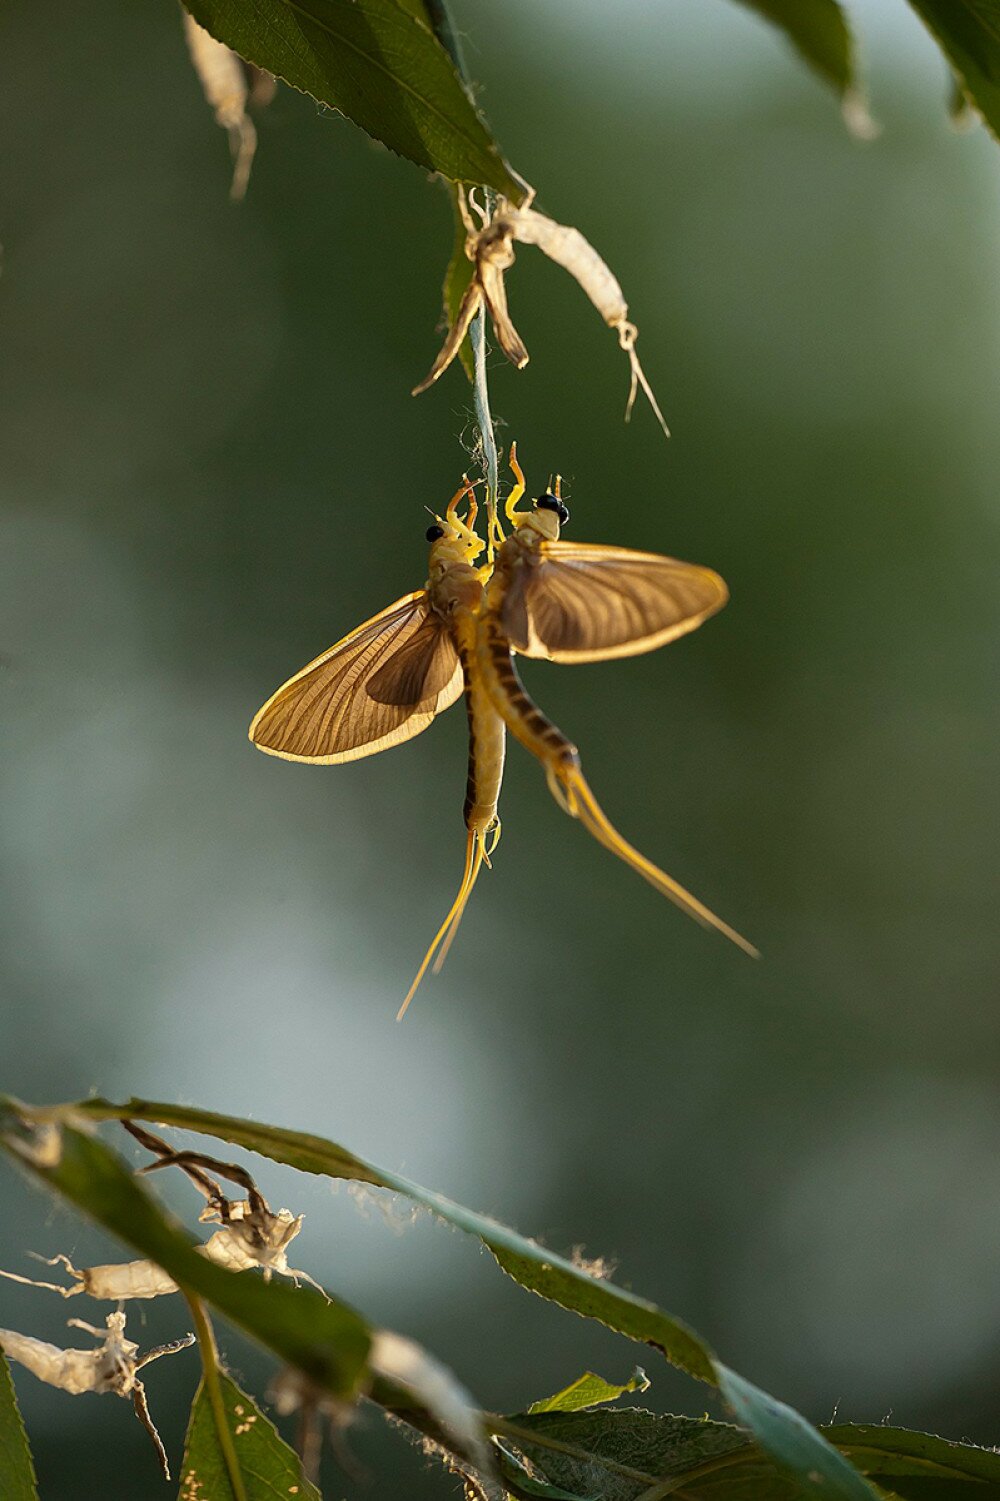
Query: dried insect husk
[
  {"x": 226, "y": 86},
  {"x": 569, "y": 249},
  {"x": 255, "y": 1236},
  {"x": 471, "y": 302},
  {"x": 72, "y": 1371},
  {"x": 251, "y": 1234},
  {"x": 112, "y": 1283},
  {"x": 491, "y": 271},
  {"x": 491, "y": 250},
  {"x": 130, "y": 1279},
  {"x": 112, "y": 1367}
]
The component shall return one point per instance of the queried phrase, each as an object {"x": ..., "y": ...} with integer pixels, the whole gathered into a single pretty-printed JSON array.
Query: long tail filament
[
  {"x": 570, "y": 790},
  {"x": 475, "y": 854}
]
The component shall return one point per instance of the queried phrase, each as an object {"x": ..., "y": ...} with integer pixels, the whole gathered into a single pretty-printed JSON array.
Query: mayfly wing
[
  {"x": 379, "y": 686},
  {"x": 582, "y": 602}
]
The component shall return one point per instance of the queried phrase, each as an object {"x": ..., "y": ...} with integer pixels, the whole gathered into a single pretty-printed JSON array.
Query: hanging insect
[
  {"x": 385, "y": 682},
  {"x": 583, "y": 602}
]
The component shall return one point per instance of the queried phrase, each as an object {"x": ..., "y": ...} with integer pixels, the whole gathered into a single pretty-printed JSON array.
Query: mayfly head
[
  {"x": 453, "y": 538},
  {"x": 550, "y": 514}
]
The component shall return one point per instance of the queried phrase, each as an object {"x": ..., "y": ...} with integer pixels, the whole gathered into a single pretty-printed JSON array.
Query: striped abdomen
[
  {"x": 523, "y": 716},
  {"x": 487, "y": 735}
]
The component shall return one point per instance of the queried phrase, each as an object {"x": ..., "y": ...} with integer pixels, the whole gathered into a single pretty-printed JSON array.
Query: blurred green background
[{"x": 212, "y": 469}]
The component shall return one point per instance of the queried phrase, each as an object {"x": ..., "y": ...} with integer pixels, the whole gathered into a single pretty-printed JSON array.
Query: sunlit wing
[
  {"x": 582, "y": 602},
  {"x": 377, "y": 687}
]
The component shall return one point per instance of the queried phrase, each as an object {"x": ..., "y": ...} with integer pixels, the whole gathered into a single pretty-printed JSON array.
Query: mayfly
[
  {"x": 386, "y": 681},
  {"x": 581, "y": 602}
]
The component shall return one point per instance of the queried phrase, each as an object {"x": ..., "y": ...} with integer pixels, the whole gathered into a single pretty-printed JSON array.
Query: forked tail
[
  {"x": 569, "y": 788},
  {"x": 475, "y": 853}
]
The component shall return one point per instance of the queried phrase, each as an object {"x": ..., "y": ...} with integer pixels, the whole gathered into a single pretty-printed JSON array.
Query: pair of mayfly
[{"x": 540, "y": 596}]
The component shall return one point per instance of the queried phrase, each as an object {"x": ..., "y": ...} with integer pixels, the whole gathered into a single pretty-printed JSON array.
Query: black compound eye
[
  {"x": 549, "y": 502},
  {"x": 434, "y": 532}
]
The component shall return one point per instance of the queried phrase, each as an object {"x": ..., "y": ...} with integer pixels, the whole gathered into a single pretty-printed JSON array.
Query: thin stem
[
  {"x": 491, "y": 462},
  {"x": 210, "y": 1368},
  {"x": 309, "y": 1440},
  {"x": 444, "y": 30}
]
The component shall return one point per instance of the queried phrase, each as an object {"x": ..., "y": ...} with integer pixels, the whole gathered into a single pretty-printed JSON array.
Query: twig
[
  {"x": 491, "y": 463},
  {"x": 213, "y": 1387},
  {"x": 444, "y": 30}
]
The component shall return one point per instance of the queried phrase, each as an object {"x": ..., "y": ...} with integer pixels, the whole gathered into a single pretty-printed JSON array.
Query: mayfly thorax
[{"x": 540, "y": 596}]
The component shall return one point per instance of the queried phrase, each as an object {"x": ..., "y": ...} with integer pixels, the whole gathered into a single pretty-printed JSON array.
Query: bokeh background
[{"x": 212, "y": 468}]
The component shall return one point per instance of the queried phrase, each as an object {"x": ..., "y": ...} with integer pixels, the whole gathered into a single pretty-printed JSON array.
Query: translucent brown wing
[
  {"x": 380, "y": 685},
  {"x": 583, "y": 602}
]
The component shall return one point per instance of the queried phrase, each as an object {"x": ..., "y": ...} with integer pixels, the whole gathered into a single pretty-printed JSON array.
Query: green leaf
[
  {"x": 322, "y": 1338},
  {"x": 819, "y": 32},
  {"x": 968, "y": 33},
  {"x": 379, "y": 63},
  {"x": 590, "y": 1390},
  {"x": 779, "y": 1429},
  {"x": 623, "y": 1455},
  {"x": 327, "y": 1341},
  {"x": 269, "y": 1469},
  {"x": 17, "y": 1473},
  {"x": 526, "y": 1485},
  {"x": 631, "y": 1454},
  {"x": 530, "y": 1264},
  {"x": 919, "y": 1466},
  {"x": 791, "y": 1442}
]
